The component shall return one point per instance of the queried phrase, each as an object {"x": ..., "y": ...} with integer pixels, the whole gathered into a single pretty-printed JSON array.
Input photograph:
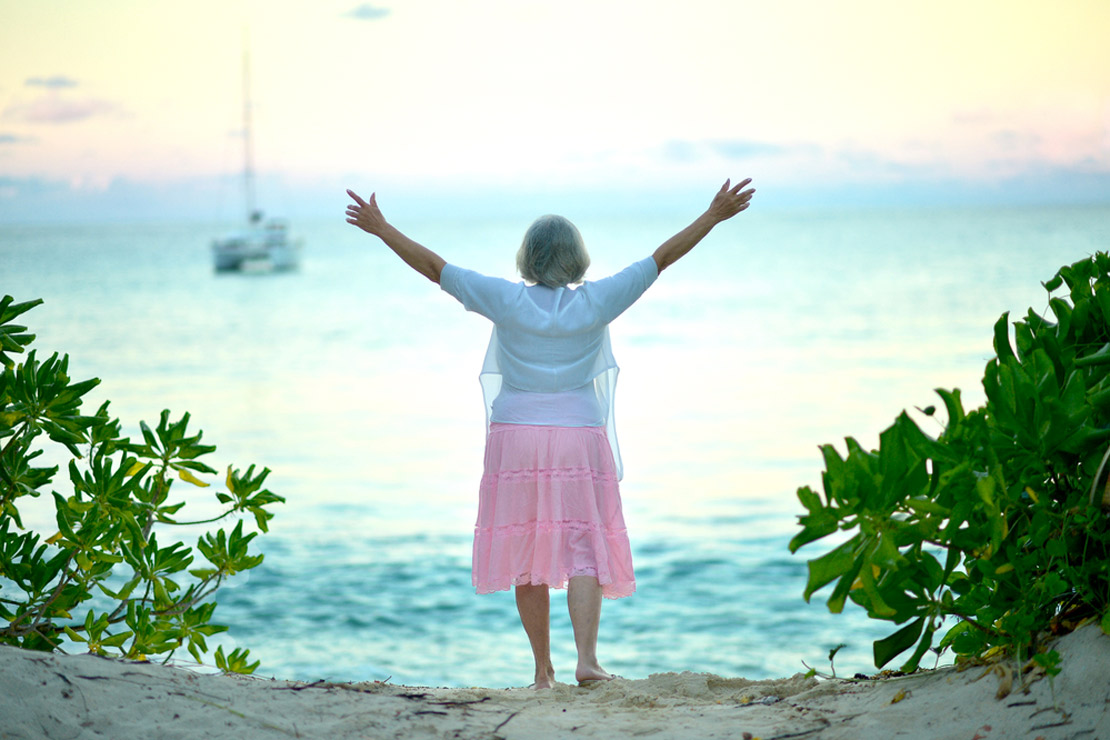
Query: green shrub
[
  {"x": 145, "y": 599},
  {"x": 997, "y": 531}
]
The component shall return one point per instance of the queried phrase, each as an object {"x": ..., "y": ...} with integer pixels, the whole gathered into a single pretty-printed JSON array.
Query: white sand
[{"x": 83, "y": 697}]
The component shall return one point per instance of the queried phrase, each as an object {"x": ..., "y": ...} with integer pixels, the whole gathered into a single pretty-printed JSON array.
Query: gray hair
[{"x": 552, "y": 253}]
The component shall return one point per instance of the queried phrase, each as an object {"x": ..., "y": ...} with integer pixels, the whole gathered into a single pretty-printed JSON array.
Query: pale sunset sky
[{"x": 135, "y": 105}]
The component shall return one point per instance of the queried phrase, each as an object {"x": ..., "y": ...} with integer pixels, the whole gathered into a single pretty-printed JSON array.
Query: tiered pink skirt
[{"x": 549, "y": 509}]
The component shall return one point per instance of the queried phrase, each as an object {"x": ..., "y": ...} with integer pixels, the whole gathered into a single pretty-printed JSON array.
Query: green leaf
[
  {"x": 818, "y": 523},
  {"x": 12, "y": 337},
  {"x": 10, "y": 310},
  {"x": 1056, "y": 548},
  {"x": 832, "y": 565},
  {"x": 888, "y": 647},
  {"x": 958, "y": 629},
  {"x": 116, "y": 640},
  {"x": 923, "y": 505},
  {"x": 261, "y": 518},
  {"x": 874, "y": 603},
  {"x": 1002, "y": 339},
  {"x": 1101, "y": 357},
  {"x": 923, "y": 645},
  {"x": 1049, "y": 661},
  {"x": 148, "y": 436},
  {"x": 953, "y": 405}
]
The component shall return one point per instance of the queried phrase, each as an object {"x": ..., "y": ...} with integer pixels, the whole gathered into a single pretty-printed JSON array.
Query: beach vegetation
[
  {"x": 995, "y": 534},
  {"x": 116, "y": 555}
]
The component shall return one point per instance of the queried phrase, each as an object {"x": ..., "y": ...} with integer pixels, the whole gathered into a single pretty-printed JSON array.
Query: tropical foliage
[
  {"x": 114, "y": 554},
  {"x": 997, "y": 532}
]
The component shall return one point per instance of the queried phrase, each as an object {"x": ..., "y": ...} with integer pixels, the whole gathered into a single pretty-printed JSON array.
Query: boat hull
[{"x": 268, "y": 249}]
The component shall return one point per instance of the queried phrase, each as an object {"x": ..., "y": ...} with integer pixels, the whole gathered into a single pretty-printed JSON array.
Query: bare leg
[
  {"x": 584, "y": 604},
  {"x": 534, "y": 605}
]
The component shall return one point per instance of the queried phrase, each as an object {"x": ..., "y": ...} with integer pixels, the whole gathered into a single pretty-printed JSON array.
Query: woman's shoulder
[
  {"x": 642, "y": 272},
  {"x": 490, "y": 296},
  {"x": 457, "y": 274}
]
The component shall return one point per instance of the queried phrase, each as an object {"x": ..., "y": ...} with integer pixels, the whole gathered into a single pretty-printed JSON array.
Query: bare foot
[
  {"x": 544, "y": 680},
  {"x": 587, "y": 674}
]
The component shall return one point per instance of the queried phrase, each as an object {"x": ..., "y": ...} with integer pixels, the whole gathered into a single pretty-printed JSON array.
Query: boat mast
[{"x": 248, "y": 147}]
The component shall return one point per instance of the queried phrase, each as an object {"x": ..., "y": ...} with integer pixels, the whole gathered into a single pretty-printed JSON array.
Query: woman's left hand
[
  {"x": 366, "y": 215},
  {"x": 730, "y": 200}
]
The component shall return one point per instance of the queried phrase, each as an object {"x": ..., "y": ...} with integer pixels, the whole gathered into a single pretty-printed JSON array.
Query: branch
[
  {"x": 167, "y": 520},
  {"x": 15, "y": 438},
  {"x": 1098, "y": 475},
  {"x": 178, "y": 607},
  {"x": 969, "y": 620},
  {"x": 158, "y": 495},
  {"x": 42, "y": 607},
  {"x": 181, "y": 607},
  {"x": 11, "y": 492}
]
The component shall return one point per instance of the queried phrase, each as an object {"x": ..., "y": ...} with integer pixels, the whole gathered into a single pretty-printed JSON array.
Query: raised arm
[
  {"x": 728, "y": 201},
  {"x": 367, "y": 216}
]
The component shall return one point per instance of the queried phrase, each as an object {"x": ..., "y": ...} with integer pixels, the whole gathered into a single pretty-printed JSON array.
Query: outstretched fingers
[
  {"x": 736, "y": 189},
  {"x": 357, "y": 199},
  {"x": 365, "y": 214},
  {"x": 731, "y": 199},
  {"x": 353, "y": 212},
  {"x": 728, "y": 189},
  {"x": 743, "y": 196}
]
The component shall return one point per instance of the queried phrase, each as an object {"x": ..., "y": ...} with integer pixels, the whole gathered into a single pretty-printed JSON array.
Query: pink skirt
[{"x": 549, "y": 509}]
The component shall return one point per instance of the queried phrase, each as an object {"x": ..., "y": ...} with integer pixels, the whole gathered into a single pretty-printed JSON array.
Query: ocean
[{"x": 355, "y": 381}]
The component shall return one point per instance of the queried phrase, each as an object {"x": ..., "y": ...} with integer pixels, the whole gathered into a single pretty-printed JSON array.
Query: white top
[{"x": 549, "y": 360}]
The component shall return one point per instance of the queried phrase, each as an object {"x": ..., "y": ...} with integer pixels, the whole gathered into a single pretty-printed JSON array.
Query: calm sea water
[{"x": 356, "y": 381}]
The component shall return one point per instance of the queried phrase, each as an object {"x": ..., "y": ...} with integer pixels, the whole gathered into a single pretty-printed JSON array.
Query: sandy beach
[{"x": 74, "y": 697}]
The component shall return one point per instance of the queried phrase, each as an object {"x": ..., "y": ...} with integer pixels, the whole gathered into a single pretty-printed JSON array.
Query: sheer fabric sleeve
[{"x": 489, "y": 296}]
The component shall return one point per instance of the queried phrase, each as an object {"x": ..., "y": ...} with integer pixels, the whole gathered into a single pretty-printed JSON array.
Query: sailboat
[{"x": 261, "y": 244}]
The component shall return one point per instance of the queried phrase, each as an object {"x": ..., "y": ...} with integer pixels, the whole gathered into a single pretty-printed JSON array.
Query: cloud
[
  {"x": 57, "y": 82},
  {"x": 41, "y": 199},
  {"x": 21, "y": 191},
  {"x": 1010, "y": 141},
  {"x": 56, "y": 110},
  {"x": 368, "y": 12},
  {"x": 55, "y": 106},
  {"x": 870, "y": 162},
  {"x": 14, "y": 139},
  {"x": 686, "y": 151},
  {"x": 742, "y": 149},
  {"x": 678, "y": 150}
]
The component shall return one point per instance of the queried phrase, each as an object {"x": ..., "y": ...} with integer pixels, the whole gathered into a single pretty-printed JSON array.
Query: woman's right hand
[
  {"x": 730, "y": 200},
  {"x": 366, "y": 215}
]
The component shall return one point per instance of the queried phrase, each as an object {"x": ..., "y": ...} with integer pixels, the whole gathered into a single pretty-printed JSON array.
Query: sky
[{"x": 135, "y": 106}]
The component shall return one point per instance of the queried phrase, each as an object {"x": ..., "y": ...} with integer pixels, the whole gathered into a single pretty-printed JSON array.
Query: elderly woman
[{"x": 549, "y": 509}]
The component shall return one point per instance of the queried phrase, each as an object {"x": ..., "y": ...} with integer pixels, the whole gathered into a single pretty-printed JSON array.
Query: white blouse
[{"x": 549, "y": 360}]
